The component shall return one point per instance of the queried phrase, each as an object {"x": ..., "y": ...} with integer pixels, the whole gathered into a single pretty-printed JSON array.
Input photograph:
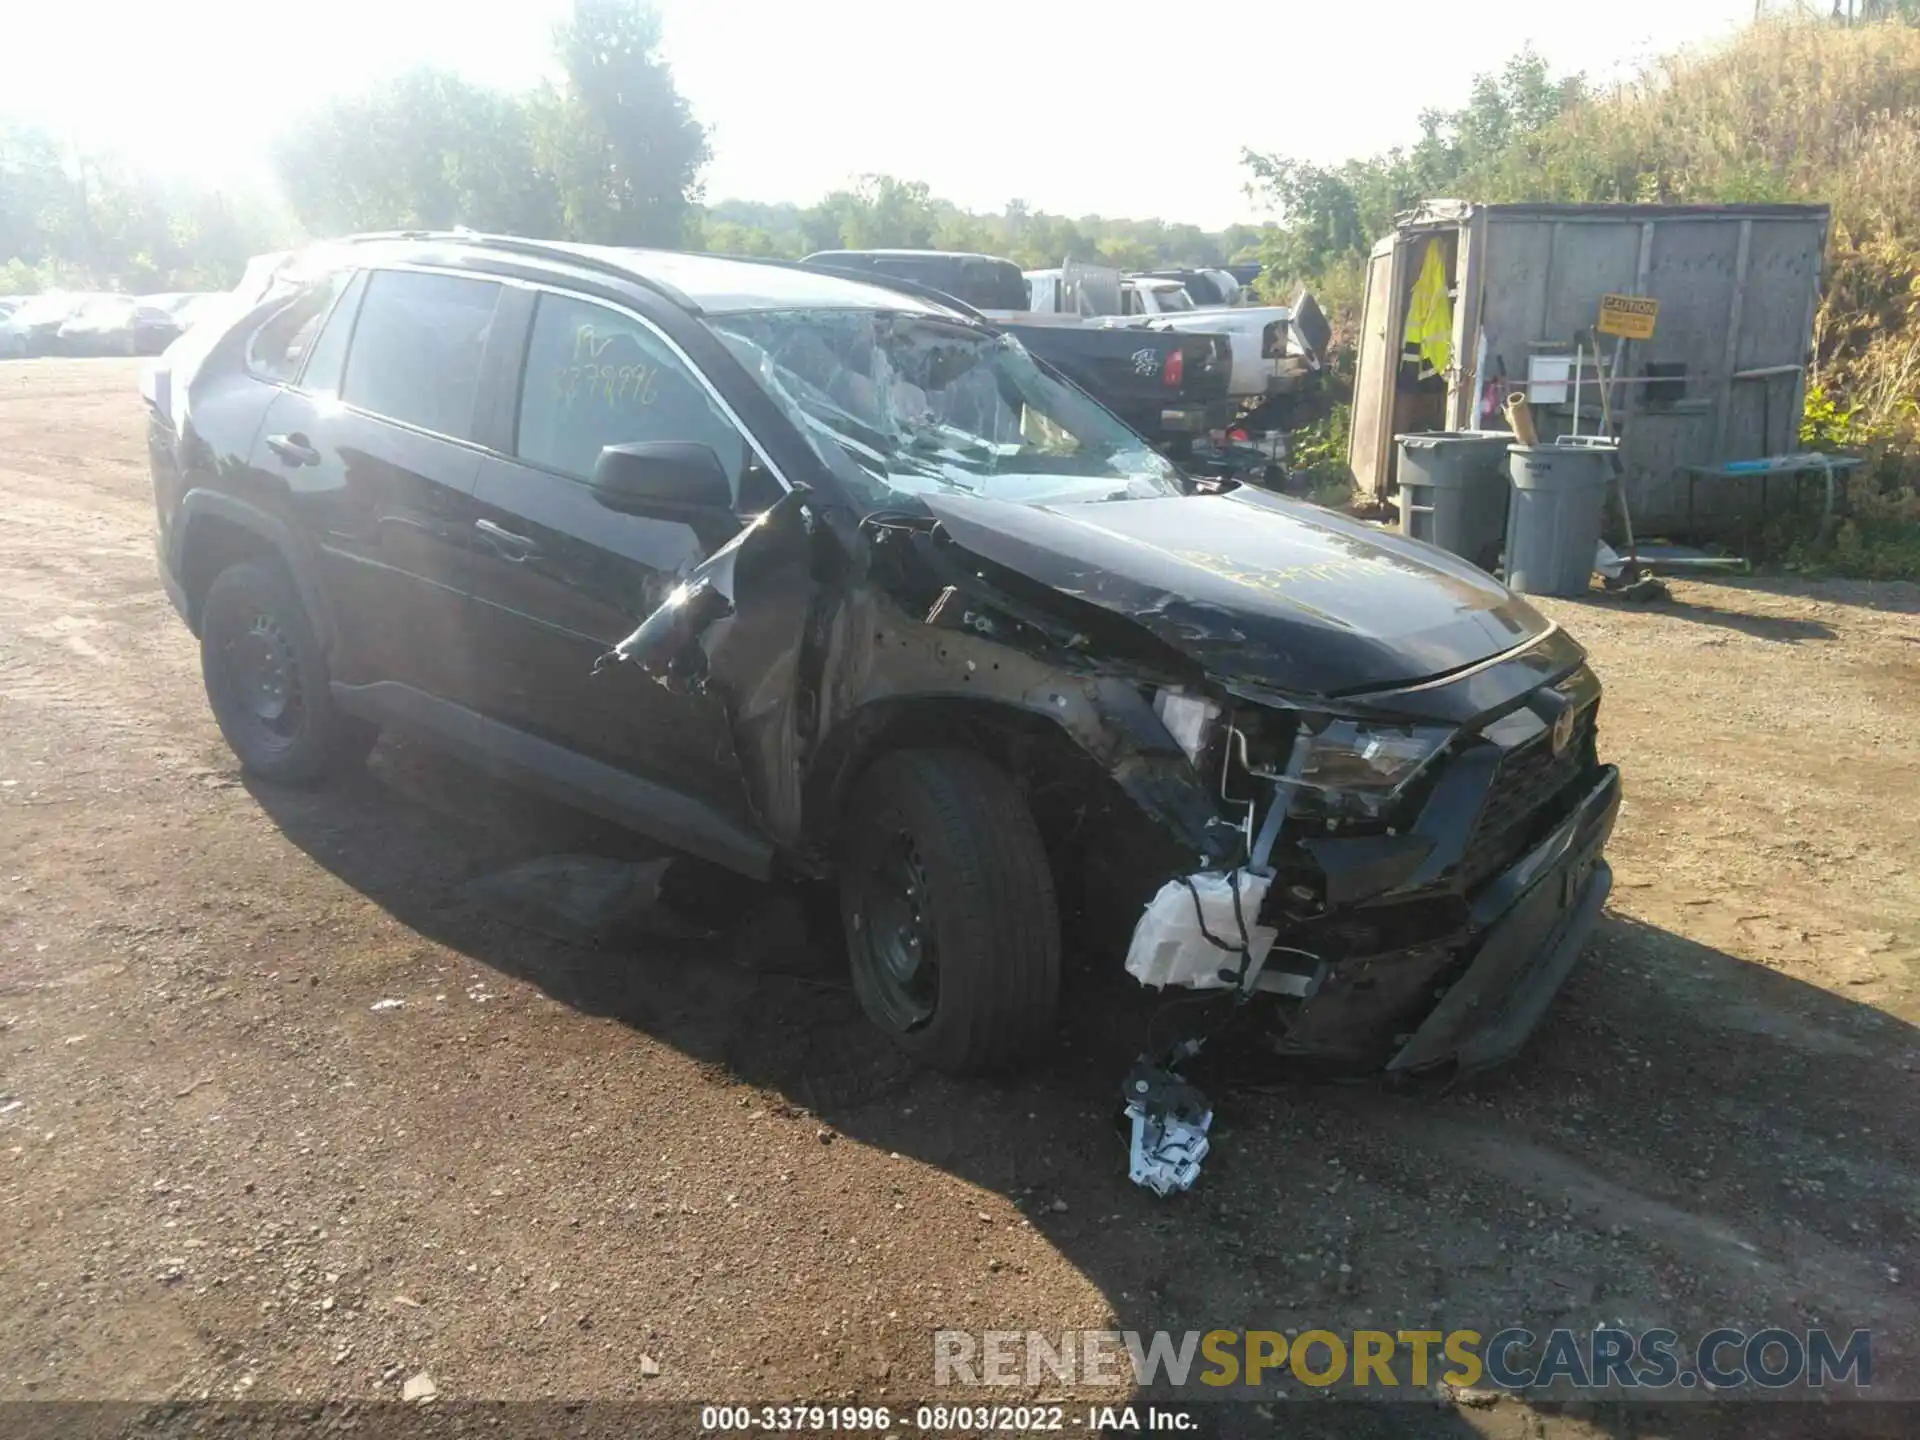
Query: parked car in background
[
  {"x": 816, "y": 577},
  {"x": 1206, "y": 286},
  {"x": 157, "y": 323},
  {"x": 100, "y": 325},
  {"x": 34, "y": 326},
  {"x": 1148, "y": 295}
]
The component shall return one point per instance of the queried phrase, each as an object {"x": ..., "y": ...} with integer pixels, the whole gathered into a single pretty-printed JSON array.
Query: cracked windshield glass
[{"x": 899, "y": 405}]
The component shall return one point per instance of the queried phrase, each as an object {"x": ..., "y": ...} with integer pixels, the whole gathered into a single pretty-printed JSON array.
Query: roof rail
[
  {"x": 566, "y": 254},
  {"x": 555, "y": 250},
  {"x": 365, "y": 236}
]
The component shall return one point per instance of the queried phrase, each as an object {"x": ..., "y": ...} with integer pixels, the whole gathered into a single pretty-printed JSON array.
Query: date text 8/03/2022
[{"x": 943, "y": 1419}]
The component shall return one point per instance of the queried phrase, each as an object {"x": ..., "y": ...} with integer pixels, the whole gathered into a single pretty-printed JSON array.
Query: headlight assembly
[{"x": 1363, "y": 763}]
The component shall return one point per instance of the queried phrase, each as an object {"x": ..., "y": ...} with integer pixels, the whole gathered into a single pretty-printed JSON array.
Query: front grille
[{"x": 1529, "y": 791}]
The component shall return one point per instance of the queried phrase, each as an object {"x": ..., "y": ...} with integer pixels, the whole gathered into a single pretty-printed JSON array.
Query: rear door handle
[
  {"x": 295, "y": 449},
  {"x": 505, "y": 543}
]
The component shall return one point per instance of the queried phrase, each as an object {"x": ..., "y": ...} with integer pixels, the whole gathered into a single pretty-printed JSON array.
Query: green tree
[
  {"x": 619, "y": 139},
  {"x": 425, "y": 150},
  {"x": 879, "y": 213},
  {"x": 71, "y": 218},
  {"x": 728, "y": 237},
  {"x": 39, "y": 200},
  {"x": 1331, "y": 215}
]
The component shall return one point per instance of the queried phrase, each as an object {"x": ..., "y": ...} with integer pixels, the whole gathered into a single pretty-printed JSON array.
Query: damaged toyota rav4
[{"x": 825, "y": 578}]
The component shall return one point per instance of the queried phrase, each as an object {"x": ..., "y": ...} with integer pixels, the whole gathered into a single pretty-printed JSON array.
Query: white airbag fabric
[{"x": 1168, "y": 946}]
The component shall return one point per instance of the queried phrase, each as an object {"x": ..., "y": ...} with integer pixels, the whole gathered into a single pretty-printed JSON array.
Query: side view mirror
[{"x": 664, "y": 479}]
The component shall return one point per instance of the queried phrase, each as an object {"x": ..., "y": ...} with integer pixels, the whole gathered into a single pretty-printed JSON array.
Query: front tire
[
  {"x": 948, "y": 904},
  {"x": 266, "y": 679}
]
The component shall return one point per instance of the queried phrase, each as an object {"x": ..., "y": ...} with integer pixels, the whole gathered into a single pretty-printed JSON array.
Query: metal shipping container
[{"x": 1723, "y": 378}]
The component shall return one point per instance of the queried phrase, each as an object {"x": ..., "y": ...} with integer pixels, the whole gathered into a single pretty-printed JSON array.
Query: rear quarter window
[
  {"x": 327, "y": 358},
  {"x": 279, "y": 345}
]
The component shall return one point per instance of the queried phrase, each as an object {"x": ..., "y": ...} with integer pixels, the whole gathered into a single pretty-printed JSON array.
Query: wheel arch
[
  {"x": 1005, "y": 733},
  {"x": 213, "y": 531},
  {"x": 1103, "y": 830}
]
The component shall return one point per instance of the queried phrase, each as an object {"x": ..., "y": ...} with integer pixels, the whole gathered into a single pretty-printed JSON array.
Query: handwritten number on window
[{"x": 588, "y": 378}]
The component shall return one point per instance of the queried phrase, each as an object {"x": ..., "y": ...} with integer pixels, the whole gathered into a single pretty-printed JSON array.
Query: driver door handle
[
  {"x": 505, "y": 543},
  {"x": 295, "y": 449}
]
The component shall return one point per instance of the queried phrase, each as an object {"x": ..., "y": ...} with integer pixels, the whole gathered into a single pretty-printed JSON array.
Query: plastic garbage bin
[
  {"x": 1553, "y": 515},
  {"x": 1453, "y": 490}
]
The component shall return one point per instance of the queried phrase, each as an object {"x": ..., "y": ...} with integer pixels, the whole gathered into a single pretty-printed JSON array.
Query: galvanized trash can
[
  {"x": 1553, "y": 515},
  {"x": 1453, "y": 490}
]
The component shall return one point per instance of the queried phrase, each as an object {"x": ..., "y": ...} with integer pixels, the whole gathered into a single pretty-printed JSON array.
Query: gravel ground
[{"x": 231, "y": 1166}]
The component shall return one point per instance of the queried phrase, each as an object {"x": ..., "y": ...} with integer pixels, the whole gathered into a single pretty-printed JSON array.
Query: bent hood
[{"x": 1256, "y": 587}]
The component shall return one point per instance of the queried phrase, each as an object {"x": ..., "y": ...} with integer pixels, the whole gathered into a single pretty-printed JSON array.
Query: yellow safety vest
[{"x": 1430, "y": 313}]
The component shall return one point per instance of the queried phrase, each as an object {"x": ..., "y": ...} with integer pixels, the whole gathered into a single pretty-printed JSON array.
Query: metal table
[{"x": 1798, "y": 465}]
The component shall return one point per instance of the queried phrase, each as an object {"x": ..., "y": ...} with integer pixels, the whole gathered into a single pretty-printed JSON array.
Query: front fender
[{"x": 881, "y": 664}]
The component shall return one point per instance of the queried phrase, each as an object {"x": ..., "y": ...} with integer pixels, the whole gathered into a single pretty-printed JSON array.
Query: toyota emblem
[{"x": 1563, "y": 729}]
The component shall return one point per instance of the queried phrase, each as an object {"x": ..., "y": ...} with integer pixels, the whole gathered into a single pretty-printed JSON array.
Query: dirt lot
[{"x": 684, "y": 1172}]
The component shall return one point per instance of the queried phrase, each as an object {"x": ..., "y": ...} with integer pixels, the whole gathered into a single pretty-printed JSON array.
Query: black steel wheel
[
  {"x": 948, "y": 903},
  {"x": 901, "y": 953},
  {"x": 266, "y": 678}
]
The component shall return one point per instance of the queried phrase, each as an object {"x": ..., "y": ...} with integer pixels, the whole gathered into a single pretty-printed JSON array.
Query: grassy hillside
[
  {"x": 1787, "y": 111},
  {"x": 1801, "y": 111}
]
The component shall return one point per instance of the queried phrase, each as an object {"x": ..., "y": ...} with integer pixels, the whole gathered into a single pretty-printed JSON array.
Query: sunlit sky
[{"x": 1076, "y": 106}]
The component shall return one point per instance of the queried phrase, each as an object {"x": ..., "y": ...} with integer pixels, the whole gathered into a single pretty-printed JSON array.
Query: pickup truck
[
  {"x": 1171, "y": 386},
  {"x": 1265, "y": 366}
]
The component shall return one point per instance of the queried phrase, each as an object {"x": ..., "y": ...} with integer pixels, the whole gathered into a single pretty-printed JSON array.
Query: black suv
[{"x": 815, "y": 576}]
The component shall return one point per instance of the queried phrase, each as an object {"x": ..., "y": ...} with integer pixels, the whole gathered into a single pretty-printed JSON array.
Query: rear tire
[
  {"x": 948, "y": 904},
  {"x": 267, "y": 680}
]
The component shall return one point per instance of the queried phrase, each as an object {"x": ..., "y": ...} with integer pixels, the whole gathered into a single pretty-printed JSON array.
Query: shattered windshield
[{"x": 900, "y": 405}]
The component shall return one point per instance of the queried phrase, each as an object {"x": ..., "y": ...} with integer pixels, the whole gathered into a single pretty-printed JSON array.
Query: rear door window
[
  {"x": 596, "y": 377},
  {"x": 417, "y": 349}
]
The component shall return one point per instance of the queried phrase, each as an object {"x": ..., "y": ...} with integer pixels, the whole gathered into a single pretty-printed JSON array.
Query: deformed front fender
[
  {"x": 877, "y": 659},
  {"x": 814, "y": 660}
]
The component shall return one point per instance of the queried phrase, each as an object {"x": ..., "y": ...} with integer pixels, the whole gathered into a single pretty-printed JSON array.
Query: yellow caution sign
[{"x": 1628, "y": 316}]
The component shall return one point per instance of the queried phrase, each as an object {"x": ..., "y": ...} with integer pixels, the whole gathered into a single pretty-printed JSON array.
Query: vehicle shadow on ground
[
  {"x": 1784, "y": 630},
  {"x": 1900, "y": 597},
  {"x": 1673, "y": 1095}
]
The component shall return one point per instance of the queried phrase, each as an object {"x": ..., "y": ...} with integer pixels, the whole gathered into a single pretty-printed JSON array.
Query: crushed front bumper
[
  {"x": 1533, "y": 920},
  {"x": 1523, "y": 932}
]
